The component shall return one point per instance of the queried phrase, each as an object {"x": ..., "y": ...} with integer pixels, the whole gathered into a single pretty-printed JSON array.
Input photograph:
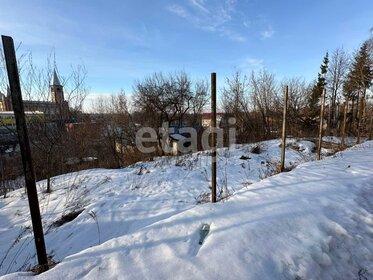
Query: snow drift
[{"x": 142, "y": 222}]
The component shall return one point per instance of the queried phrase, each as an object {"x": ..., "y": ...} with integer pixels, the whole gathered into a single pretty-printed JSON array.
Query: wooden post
[
  {"x": 213, "y": 137},
  {"x": 15, "y": 89},
  {"x": 321, "y": 124},
  {"x": 343, "y": 143},
  {"x": 329, "y": 120},
  {"x": 2, "y": 175},
  {"x": 360, "y": 120},
  {"x": 284, "y": 129},
  {"x": 370, "y": 127}
]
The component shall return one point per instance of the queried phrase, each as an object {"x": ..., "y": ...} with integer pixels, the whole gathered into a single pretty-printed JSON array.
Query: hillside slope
[{"x": 315, "y": 222}]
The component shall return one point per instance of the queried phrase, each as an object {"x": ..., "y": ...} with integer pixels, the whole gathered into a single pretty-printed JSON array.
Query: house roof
[
  {"x": 176, "y": 137},
  {"x": 208, "y": 115}
]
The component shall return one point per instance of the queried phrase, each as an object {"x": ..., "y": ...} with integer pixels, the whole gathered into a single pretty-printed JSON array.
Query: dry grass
[
  {"x": 66, "y": 218},
  {"x": 38, "y": 269}
]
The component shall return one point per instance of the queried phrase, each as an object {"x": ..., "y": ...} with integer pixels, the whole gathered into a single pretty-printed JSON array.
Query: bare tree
[
  {"x": 235, "y": 101},
  {"x": 76, "y": 89},
  {"x": 235, "y": 94},
  {"x": 298, "y": 92},
  {"x": 47, "y": 142},
  {"x": 336, "y": 76},
  {"x": 47, "y": 131},
  {"x": 118, "y": 130},
  {"x": 36, "y": 83},
  {"x": 265, "y": 98},
  {"x": 200, "y": 100},
  {"x": 168, "y": 99}
]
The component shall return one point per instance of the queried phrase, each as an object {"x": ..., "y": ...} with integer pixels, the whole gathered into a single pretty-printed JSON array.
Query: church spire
[
  {"x": 55, "y": 81},
  {"x": 56, "y": 89}
]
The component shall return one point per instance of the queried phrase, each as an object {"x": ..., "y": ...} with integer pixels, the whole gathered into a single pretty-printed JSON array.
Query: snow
[
  {"x": 349, "y": 140},
  {"x": 88, "y": 159},
  {"x": 315, "y": 222},
  {"x": 177, "y": 137}
]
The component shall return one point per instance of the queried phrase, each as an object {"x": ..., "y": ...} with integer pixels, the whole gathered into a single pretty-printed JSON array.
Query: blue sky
[{"x": 121, "y": 41}]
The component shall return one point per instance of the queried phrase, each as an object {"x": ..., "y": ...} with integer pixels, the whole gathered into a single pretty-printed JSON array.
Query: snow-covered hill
[{"x": 142, "y": 222}]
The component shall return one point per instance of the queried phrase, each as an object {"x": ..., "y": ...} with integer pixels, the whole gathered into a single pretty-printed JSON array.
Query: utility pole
[
  {"x": 284, "y": 117},
  {"x": 19, "y": 112},
  {"x": 321, "y": 124},
  {"x": 213, "y": 137}
]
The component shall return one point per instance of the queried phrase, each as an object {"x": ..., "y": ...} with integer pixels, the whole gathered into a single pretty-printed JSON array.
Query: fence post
[
  {"x": 343, "y": 143},
  {"x": 321, "y": 124},
  {"x": 213, "y": 137},
  {"x": 15, "y": 89},
  {"x": 360, "y": 121},
  {"x": 370, "y": 128},
  {"x": 284, "y": 117}
]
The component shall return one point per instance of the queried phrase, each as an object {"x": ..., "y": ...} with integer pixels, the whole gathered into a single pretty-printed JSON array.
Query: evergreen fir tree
[
  {"x": 313, "y": 101},
  {"x": 359, "y": 79},
  {"x": 361, "y": 73}
]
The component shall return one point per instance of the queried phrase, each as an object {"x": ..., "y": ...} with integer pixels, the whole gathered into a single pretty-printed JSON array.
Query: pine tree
[
  {"x": 359, "y": 79},
  {"x": 361, "y": 72},
  {"x": 313, "y": 101}
]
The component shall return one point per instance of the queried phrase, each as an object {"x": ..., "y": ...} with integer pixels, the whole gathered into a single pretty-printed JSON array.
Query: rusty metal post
[
  {"x": 213, "y": 137},
  {"x": 15, "y": 89},
  {"x": 284, "y": 117},
  {"x": 321, "y": 124}
]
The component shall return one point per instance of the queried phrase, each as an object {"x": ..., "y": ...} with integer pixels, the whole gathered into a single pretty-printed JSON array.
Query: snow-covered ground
[
  {"x": 142, "y": 222},
  {"x": 349, "y": 140}
]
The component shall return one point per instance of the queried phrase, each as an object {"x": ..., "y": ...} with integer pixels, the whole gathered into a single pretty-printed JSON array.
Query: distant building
[
  {"x": 8, "y": 120},
  {"x": 176, "y": 142},
  {"x": 206, "y": 119},
  {"x": 56, "y": 109},
  {"x": 5, "y": 101}
]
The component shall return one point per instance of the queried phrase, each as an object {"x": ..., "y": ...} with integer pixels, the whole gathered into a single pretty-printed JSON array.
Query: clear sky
[{"x": 121, "y": 41}]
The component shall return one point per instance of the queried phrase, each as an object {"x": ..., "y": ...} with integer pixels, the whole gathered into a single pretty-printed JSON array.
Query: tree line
[
  {"x": 106, "y": 138},
  {"x": 256, "y": 99}
]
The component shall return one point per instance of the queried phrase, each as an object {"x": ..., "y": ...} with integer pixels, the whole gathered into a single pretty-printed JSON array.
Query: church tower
[{"x": 56, "y": 89}]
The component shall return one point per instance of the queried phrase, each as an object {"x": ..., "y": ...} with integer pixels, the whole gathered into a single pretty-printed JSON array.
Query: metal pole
[
  {"x": 15, "y": 89},
  {"x": 213, "y": 137},
  {"x": 284, "y": 129},
  {"x": 321, "y": 124}
]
